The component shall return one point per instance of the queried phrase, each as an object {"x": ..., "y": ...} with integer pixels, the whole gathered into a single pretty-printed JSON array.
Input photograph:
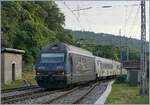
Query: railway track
[
  {"x": 19, "y": 97},
  {"x": 12, "y": 94},
  {"x": 54, "y": 99},
  {"x": 84, "y": 95},
  {"x": 19, "y": 89},
  {"x": 63, "y": 96},
  {"x": 27, "y": 96},
  {"x": 70, "y": 97}
]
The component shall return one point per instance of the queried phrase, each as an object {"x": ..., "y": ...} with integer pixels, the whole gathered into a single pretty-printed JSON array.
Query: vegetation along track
[{"x": 73, "y": 96}]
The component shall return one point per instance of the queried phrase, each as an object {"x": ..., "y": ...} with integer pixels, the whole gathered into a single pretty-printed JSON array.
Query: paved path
[{"x": 104, "y": 96}]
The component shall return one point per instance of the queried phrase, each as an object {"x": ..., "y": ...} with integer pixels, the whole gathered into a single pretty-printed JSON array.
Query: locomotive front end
[{"x": 50, "y": 70}]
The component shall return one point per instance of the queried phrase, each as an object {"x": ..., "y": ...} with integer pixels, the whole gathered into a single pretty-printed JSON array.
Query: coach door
[{"x": 71, "y": 68}]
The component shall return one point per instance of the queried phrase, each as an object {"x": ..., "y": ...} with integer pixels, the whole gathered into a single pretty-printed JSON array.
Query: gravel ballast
[{"x": 90, "y": 98}]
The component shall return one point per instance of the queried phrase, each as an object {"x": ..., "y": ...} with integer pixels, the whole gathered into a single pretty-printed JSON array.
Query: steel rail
[
  {"x": 30, "y": 95},
  {"x": 19, "y": 89},
  {"x": 22, "y": 94},
  {"x": 83, "y": 96},
  {"x": 56, "y": 98},
  {"x": 27, "y": 96},
  {"x": 13, "y": 99},
  {"x": 69, "y": 92}
]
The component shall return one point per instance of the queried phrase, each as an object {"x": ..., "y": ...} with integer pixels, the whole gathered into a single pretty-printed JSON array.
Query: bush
[{"x": 121, "y": 79}]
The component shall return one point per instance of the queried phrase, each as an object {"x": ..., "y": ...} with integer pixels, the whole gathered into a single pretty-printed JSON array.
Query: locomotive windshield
[{"x": 52, "y": 58}]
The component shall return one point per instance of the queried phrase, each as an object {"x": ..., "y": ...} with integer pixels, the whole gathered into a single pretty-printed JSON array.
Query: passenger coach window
[{"x": 52, "y": 58}]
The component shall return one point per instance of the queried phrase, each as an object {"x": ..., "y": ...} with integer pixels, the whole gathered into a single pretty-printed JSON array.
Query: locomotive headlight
[
  {"x": 61, "y": 72},
  {"x": 41, "y": 67},
  {"x": 37, "y": 73}
]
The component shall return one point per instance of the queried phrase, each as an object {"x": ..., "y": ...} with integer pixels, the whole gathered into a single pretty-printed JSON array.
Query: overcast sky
[{"x": 122, "y": 15}]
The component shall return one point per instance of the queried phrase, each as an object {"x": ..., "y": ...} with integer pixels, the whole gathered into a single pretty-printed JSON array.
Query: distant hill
[{"x": 106, "y": 39}]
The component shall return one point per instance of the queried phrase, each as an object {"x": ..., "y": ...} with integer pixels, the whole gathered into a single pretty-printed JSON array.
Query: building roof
[
  {"x": 11, "y": 50},
  {"x": 132, "y": 64}
]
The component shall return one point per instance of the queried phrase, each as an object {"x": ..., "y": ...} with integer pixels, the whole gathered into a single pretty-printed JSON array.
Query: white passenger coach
[{"x": 106, "y": 67}]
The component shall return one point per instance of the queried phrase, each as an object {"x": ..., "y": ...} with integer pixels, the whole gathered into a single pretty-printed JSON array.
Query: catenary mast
[{"x": 143, "y": 72}]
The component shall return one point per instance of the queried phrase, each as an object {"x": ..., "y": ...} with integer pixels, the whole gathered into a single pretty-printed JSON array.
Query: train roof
[
  {"x": 74, "y": 49},
  {"x": 106, "y": 60},
  {"x": 69, "y": 48}
]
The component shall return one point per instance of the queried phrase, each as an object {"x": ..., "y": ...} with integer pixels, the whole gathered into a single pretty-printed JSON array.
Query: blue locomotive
[{"x": 61, "y": 65}]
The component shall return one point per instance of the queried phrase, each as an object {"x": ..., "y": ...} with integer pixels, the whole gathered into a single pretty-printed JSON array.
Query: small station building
[
  {"x": 11, "y": 64},
  {"x": 133, "y": 71}
]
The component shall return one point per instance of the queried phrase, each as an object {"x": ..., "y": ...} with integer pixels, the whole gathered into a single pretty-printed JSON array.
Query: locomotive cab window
[{"x": 52, "y": 58}]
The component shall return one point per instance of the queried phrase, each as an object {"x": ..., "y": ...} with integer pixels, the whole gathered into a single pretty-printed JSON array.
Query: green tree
[
  {"x": 134, "y": 54},
  {"x": 31, "y": 25}
]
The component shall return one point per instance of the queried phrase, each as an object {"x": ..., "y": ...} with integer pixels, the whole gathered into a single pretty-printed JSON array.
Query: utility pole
[
  {"x": 121, "y": 50},
  {"x": 143, "y": 71},
  {"x": 127, "y": 51}
]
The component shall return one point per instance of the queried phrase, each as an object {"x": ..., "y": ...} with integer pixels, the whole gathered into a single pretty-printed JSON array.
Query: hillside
[{"x": 106, "y": 39}]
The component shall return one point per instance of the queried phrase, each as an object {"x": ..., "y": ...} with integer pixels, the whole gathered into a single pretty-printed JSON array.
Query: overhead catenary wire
[
  {"x": 73, "y": 15},
  {"x": 84, "y": 17},
  {"x": 136, "y": 28},
  {"x": 125, "y": 21},
  {"x": 134, "y": 21},
  {"x": 128, "y": 17},
  {"x": 131, "y": 13},
  {"x": 72, "y": 19},
  {"x": 89, "y": 25},
  {"x": 82, "y": 9},
  {"x": 79, "y": 18}
]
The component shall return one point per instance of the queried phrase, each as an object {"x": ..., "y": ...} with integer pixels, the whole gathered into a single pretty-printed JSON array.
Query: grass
[
  {"x": 123, "y": 93},
  {"x": 28, "y": 75}
]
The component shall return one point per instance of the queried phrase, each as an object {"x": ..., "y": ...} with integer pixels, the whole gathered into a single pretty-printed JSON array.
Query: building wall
[
  {"x": 133, "y": 76},
  {"x": 9, "y": 59}
]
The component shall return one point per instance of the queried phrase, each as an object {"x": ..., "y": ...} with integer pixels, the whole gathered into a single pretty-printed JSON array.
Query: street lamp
[{"x": 109, "y": 6}]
